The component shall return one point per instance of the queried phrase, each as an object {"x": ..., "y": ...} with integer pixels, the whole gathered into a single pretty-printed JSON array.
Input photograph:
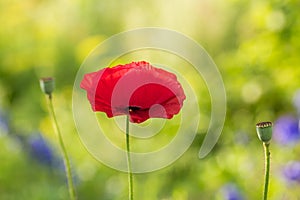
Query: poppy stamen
[{"x": 133, "y": 108}]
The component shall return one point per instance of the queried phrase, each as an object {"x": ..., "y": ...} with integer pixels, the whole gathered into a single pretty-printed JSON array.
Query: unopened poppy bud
[
  {"x": 264, "y": 131},
  {"x": 47, "y": 85}
]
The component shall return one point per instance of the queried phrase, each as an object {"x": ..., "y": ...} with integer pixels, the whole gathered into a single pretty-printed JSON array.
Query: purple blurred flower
[
  {"x": 286, "y": 130},
  {"x": 40, "y": 150},
  {"x": 291, "y": 171},
  {"x": 231, "y": 192}
]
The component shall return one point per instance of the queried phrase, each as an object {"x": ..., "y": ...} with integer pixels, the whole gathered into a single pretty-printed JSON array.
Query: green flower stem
[
  {"x": 267, "y": 169},
  {"x": 130, "y": 176},
  {"x": 64, "y": 151}
]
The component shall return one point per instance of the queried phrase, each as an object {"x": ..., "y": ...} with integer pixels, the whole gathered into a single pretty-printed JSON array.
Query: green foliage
[{"x": 255, "y": 44}]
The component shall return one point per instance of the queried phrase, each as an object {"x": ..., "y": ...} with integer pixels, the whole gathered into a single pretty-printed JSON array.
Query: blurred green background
[{"x": 255, "y": 44}]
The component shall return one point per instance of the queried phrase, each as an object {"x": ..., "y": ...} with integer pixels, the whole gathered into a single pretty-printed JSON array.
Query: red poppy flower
[{"x": 136, "y": 89}]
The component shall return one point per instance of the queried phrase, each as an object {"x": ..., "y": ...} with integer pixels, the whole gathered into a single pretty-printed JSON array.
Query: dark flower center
[{"x": 133, "y": 108}]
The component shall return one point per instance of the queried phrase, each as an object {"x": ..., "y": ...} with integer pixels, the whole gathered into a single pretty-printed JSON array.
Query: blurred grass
[{"x": 255, "y": 44}]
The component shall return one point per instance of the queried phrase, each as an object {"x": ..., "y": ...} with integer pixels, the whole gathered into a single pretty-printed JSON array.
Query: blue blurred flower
[
  {"x": 286, "y": 130},
  {"x": 4, "y": 126},
  {"x": 291, "y": 171},
  {"x": 231, "y": 192},
  {"x": 40, "y": 150}
]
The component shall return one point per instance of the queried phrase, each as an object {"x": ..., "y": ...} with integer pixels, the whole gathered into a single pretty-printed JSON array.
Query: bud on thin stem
[
  {"x": 264, "y": 131},
  {"x": 47, "y": 85}
]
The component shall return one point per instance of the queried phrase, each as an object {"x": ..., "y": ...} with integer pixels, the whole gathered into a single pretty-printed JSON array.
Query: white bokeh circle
[{"x": 173, "y": 42}]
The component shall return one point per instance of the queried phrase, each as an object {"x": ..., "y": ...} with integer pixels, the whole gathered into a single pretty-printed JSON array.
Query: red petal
[{"x": 138, "y": 84}]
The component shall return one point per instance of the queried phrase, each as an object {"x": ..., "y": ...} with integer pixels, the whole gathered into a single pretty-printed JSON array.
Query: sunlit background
[{"x": 255, "y": 44}]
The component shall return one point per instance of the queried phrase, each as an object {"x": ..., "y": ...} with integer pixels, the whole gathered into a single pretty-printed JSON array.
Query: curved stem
[
  {"x": 130, "y": 176},
  {"x": 267, "y": 169},
  {"x": 64, "y": 151}
]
